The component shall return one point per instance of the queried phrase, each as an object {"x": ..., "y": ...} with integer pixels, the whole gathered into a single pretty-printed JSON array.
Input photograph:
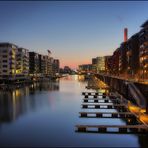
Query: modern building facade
[
  {"x": 123, "y": 59},
  {"x": 98, "y": 64},
  {"x": 107, "y": 59},
  {"x": 22, "y": 63},
  {"x": 8, "y": 64},
  {"x": 143, "y": 51},
  {"x": 34, "y": 70},
  {"x": 19, "y": 64},
  {"x": 85, "y": 68},
  {"x": 132, "y": 55},
  {"x": 56, "y": 66}
]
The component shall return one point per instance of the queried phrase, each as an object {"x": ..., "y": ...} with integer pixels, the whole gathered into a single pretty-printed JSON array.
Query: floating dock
[
  {"x": 103, "y": 105},
  {"x": 107, "y": 115},
  {"x": 112, "y": 128},
  {"x": 115, "y": 101}
]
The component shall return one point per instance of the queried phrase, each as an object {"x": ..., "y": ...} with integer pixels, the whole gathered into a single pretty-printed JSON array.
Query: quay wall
[{"x": 120, "y": 85}]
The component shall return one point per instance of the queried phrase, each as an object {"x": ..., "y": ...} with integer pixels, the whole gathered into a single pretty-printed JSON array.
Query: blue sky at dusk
[{"x": 73, "y": 31}]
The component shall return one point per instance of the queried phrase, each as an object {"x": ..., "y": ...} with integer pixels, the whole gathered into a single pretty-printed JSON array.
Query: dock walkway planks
[
  {"x": 120, "y": 128},
  {"x": 109, "y": 114},
  {"x": 103, "y": 105}
]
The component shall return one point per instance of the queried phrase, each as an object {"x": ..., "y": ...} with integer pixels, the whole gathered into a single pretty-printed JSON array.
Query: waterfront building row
[
  {"x": 129, "y": 60},
  {"x": 19, "y": 63}
]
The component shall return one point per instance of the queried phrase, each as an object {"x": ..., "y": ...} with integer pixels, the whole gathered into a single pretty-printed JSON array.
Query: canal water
[{"x": 45, "y": 114}]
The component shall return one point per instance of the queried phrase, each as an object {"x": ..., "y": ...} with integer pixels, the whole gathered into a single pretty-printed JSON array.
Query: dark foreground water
[{"x": 46, "y": 114}]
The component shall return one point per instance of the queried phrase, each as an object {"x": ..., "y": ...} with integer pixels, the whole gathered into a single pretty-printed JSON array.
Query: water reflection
[
  {"x": 16, "y": 102},
  {"x": 40, "y": 114}
]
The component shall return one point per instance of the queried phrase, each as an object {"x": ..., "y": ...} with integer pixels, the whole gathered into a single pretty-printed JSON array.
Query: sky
[{"x": 75, "y": 31}]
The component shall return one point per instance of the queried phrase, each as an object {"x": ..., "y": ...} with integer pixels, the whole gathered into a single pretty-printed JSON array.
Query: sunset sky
[{"x": 74, "y": 31}]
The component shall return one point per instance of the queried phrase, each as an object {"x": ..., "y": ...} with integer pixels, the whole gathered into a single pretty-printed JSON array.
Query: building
[
  {"x": 85, "y": 68},
  {"x": 47, "y": 67},
  {"x": 107, "y": 64},
  {"x": 98, "y": 64},
  {"x": 8, "y": 68},
  {"x": 22, "y": 63},
  {"x": 19, "y": 64},
  {"x": 34, "y": 63},
  {"x": 115, "y": 62},
  {"x": 42, "y": 65},
  {"x": 67, "y": 70},
  {"x": 56, "y": 66},
  {"x": 50, "y": 61},
  {"x": 132, "y": 54},
  {"x": 143, "y": 51},
  {"x": 123, "y": 59}
]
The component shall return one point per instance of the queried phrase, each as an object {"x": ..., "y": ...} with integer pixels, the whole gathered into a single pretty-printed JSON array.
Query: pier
[
  {"x": 97, "y": 100},
  {"x": 112, "y": 128},
  {"x": 91, "y": 100},
  {"x": 107, "y": 114},
  {"x": 107, "y": 106}
]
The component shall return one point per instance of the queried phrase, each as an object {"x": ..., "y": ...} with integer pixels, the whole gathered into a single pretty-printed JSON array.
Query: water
[{"x": 46, "y": 114}]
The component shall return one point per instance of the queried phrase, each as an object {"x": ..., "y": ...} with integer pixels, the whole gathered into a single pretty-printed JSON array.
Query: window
[
  {"x": 4, "y": 51},
  {"x": 4, "y": 70},
  {"x": 5, "y": 61},
  {"x": 4, "y": 56},
  {"x": 4, "y": 66}
]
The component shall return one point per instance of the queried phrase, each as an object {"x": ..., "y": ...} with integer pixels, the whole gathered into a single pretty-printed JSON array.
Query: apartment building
[
  {"x": 56, "y": 66},
  {"x": 22, "y": 63},
  {"x": 143, "y": 51},
  {"x": 98, "y": 64},
  {"x": 85, "y": 68},
  {"x": 132, "y": 55},
  {"x": 106, "y": 64},
  {"x": 34, "y": 64},
  {"x": 123, "y": 59},
  {"x": 8, "y": 64}
]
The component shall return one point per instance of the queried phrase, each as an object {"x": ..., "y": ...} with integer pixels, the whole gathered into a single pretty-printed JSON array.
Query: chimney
[{"x": 125, "y": 34}]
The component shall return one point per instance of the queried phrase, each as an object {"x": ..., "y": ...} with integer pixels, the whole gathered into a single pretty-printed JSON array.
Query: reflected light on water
[
  {"x": 50, "y": 110},
  {"x": 139, "y": 112}
]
